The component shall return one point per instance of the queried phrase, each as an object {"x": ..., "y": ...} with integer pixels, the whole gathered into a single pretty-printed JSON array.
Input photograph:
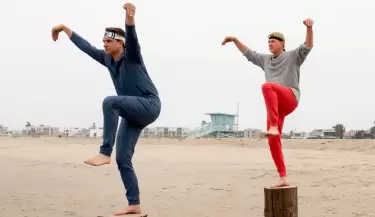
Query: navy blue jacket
[{"x": 129, "y": 74}]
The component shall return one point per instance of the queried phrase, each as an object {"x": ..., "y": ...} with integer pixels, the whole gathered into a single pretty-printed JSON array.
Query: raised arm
[
  {"x": 81, "y": 43},
  {"x": 131, "y": 45},
  {"x": 252, "y": 56},
  {"x": 304, "y": 49},
  {"x": 309, "y": 33}
]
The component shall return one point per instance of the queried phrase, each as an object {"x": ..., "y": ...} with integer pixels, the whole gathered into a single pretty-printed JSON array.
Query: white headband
[{"x": 113, "y": 35}]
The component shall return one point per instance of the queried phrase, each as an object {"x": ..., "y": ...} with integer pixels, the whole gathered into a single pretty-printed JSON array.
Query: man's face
[
  {"x": 112, "y": 46},
  {"x": 275, "y": 45}
]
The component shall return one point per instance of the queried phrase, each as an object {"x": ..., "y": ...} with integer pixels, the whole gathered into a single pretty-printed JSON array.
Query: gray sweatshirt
[{"x": 284, "y": 69}]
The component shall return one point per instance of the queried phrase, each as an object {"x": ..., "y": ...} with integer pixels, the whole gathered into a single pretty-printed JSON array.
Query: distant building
[
  {"x": 93, "y": 126},
  {"x": 252, "y": 133},
  {"x": 240, "y": 134},
  {"x": 3, "y": 130},
  {"x": 41, "y": 130},
  {"x": 75, "y": 132},
  {"x": 97, "y": 132},
  {"x": 14, "y": 133},
  {"x": 350, "y": 134},
  {"x": 164, "y": 132},
  {"x": 148, "y": 132},
  {"x": 322, "y": 134},
  {"x": 299, "y": 135}
]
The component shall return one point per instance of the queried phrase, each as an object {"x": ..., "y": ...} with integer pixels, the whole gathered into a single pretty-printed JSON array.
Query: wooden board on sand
[{"x": 130, "y": 215}]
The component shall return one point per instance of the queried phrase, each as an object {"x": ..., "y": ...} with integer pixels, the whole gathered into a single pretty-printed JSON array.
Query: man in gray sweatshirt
[{"x": 281, "y": 91}]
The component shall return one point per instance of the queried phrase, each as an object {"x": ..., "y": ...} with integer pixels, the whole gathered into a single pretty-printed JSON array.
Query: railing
[{"x": 205, "y": 130}]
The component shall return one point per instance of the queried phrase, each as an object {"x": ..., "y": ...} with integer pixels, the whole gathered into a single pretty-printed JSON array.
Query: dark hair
[{"x": 116, "y": 30}]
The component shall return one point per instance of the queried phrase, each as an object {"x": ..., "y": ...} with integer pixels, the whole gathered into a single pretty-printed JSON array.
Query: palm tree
[
  {"x": 28, "y": 124},
  {"x": 339, "y": 130}
]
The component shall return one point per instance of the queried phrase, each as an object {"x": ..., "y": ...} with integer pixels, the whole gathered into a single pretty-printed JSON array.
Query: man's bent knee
[
  {"x": 109, "y": 101},
  {"x": 267, "y": 85}
]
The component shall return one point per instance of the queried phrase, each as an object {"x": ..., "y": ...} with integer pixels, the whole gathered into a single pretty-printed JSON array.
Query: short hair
[
  {"x": 277, "y": 35},
  {"x": 116, "y": 30}
]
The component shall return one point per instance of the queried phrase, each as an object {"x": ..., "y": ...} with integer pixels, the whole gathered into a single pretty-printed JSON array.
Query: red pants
[{"x": 280, "y": 102}]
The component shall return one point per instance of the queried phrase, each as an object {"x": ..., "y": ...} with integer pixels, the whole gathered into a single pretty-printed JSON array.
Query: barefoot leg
[
  {"x": 111, "y": 117},
  {"x": 281, "y": 183},
  {"x": 136, "y": 113},
  {"x": 110, "y": 127},
  {"x": 133, "y": 209},
  {"x": 280, "y": 102},
  {"x": 272, "y": 131},
  {"x": 275, "y": 146},
  {"x": 272, "y": 106},
  {"x": 127, "y": 138},
  {"x": 98, "y": 160}
]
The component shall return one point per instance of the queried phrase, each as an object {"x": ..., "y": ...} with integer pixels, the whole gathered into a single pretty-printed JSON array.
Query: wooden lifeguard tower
[{"x": 222, "y": 125}]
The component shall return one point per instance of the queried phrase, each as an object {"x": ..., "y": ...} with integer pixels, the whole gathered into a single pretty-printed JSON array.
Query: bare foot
[
  {"x": 273, "y": 131},
  {"x": 98, "y": 160},
  {"x": 133, "y": 209},
  {"x": 281, "y": 183}
]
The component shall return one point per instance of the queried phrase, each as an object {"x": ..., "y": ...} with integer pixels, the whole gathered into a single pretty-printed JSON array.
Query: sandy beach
[{"x": 44, "y": 177}]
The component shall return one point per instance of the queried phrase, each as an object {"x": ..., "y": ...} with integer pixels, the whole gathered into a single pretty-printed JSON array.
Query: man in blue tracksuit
[{"x": 137, "y": 101}]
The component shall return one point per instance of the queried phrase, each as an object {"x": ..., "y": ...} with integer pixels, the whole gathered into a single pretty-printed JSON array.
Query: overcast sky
[{"x": 54, "y": 83}]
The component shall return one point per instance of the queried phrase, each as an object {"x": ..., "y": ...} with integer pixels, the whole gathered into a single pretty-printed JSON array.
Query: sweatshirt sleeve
[
  {"x": 256, "y": 58},
  {"x": 97, "y": 54},
  {"x": 132, "y": 44},
  {"x": 301, "y": 53}
]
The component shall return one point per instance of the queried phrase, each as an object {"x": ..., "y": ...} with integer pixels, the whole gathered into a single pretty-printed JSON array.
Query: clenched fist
[
  {"x": 308, "y": 22},
  {"x": 56, "y": 30},
  {"x": 130, "y": 9},
  {"x": 228, "y": 39}
]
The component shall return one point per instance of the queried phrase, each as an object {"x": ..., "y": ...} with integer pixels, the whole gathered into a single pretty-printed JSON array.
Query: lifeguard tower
[{"x": 222, "y": 125}]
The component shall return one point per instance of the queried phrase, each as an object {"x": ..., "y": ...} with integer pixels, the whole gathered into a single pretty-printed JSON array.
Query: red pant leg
[
  {"x": 274, "y": 143},
  {"x": 280, "y": 102}
]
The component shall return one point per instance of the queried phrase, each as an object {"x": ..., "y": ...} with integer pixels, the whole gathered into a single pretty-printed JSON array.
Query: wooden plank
[{"x": 129, "y": 215}]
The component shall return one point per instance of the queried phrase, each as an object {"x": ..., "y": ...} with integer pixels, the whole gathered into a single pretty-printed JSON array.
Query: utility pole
[{"x": 238, "y": 111}]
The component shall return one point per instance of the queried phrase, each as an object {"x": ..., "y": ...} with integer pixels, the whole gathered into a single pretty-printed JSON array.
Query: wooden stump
[{"x": 281, "y": 202}]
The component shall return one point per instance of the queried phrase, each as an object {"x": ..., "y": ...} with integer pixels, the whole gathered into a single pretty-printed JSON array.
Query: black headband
[{"x": 277, "y": 38}]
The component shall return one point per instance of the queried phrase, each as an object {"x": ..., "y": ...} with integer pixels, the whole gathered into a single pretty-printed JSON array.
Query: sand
[{"x": 44, "y": 177}]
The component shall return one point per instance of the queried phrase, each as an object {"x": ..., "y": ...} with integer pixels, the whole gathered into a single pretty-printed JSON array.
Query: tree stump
[{"x": 281, "y": 202}]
